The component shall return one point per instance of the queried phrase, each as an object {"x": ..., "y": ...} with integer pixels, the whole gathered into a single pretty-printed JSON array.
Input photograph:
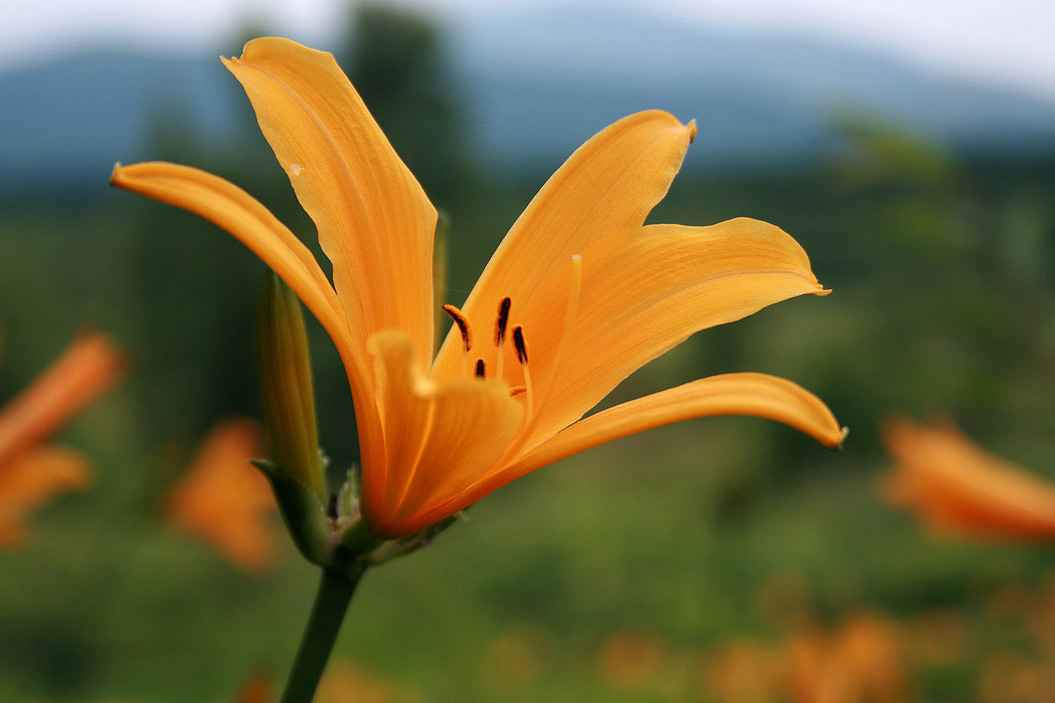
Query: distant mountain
[
  {"x": 537, "y": 86},
  {"x": 64, "y": 123},
  {"x": 544, "y": 82}
]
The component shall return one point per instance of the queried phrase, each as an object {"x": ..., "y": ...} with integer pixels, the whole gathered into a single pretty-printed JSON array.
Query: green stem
[{"x": 327, "y": 613}]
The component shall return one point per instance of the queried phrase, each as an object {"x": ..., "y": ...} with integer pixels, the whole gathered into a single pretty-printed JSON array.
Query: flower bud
[{"x": 286, "y": 385}]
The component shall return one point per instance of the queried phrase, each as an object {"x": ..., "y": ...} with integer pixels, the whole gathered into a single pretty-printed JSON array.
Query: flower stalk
[{"x": 327, "y": 613}]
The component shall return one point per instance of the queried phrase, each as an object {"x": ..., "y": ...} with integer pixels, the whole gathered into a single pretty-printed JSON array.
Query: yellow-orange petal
[
  {"x": 643, "y": 291},
  {"x": 226, "y": 502},
  {"x": 31, "y": 478},
  {"x": 753, "y": 394},
  {"x": 374, "y": 221},
  {"x": 88, "y": 368},
  {"x": 231, "y": 208},
  {"x": 440, "y": 438},
  {"x": 958, "y": 487},
  {"x": 607, "y": 186}
]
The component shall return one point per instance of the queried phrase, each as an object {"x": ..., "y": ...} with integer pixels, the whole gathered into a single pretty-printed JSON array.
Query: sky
[{"x": 1007, "y": 42}]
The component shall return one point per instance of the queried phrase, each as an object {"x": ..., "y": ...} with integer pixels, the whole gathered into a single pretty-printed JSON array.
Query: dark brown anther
[
  {"x": 502, "y": 321},
  {"x": 463, "y": 325},
  {"x": 481, "y": 369},
  {"x": 518, "y": 342}
]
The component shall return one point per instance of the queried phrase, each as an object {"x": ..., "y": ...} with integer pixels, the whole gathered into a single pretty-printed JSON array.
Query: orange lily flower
[
  {"x": 958, "y": 487},
  {"x": 30, "y": 474},
  {"x": 579, "y": 294},
  {"x": 224, "y": 500}
]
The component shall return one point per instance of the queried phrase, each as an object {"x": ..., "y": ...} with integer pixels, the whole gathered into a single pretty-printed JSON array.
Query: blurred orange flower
[
  {"x": 628, "y": 660},
  {"x": 746, "y": 672},
  {"x": 29, "y": 473},
  {"x": 957, "y": 487},
  {"x": 859, "y": 663},
  {"x": 579, "y": 294},
  {"x": 224, "y": 500},
  {"x": 344, "y": 682}
]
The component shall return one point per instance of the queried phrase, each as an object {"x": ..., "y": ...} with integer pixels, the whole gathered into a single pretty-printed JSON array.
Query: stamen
[
  {"x": 500, "y": 334},
  {"x": 518, "y": 343},
  {"x": 517, "y": 390},
  {"x": 481, "y": 369},
  {"x": 502, "y": 321},
  {"x": 463, "y": 325},
  {"x": 522, "y": 357}
]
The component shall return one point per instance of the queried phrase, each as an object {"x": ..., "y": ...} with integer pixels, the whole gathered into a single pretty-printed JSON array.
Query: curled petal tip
[
  {"x": 837, "y": 446},
  {"x": 235, "y": 59},
  {"x": 113, "y": 172},
  {"x": 691, "y": 126}
]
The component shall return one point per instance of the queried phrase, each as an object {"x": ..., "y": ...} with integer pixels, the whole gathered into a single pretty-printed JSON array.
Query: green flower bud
[{"x": 286, "y": 384}]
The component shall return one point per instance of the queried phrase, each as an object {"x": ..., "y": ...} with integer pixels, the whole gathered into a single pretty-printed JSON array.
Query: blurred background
[{"x": 909, "y": 147}]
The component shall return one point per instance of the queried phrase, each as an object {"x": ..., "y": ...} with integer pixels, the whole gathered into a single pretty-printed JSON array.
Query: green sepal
[
  {"x": 336, "y": 537},
  {"x": 396, "y": 548},
  {"x": 357, "y": 539},
  {"x": 304, "y": 515}
]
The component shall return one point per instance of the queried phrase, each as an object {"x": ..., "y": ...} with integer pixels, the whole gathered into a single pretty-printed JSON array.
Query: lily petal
[
  {"x": 224, "y": 500},
  {"x": 88, "y": 367},
  {"x": 959, "y": 487},
  {"x": 440, "y": 437},
  {"x": 753, "y": 394},
  {"x": 231, "y": 208},
  {"x": 645, "y": 291},
  {"x": 30, "y": 479},
  {"x": 609, "y": 184},
  {"x": 374, "y": 221}
]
